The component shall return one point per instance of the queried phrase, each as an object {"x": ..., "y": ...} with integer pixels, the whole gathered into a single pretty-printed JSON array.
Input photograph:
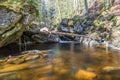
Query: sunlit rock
[{"x": 44, "y": 29}]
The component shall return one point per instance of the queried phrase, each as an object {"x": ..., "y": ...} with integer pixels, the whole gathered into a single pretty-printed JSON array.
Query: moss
[
  {"x": 12, "y": 6},
  {"x": 110, "y": 16},
  {"x": 17, "y": 5},
  {"x": 98, "y": 18},
  {"x": 97, "y": 23},
  {"x": 76, "y": 18},
  {"x": 103, "y": 13},
  {"x": 114, "y": 20},
  {"x": 102, "y": 24}
]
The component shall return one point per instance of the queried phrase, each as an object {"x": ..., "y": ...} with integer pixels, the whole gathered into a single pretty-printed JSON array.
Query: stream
[{"x": 66, "y": 61}]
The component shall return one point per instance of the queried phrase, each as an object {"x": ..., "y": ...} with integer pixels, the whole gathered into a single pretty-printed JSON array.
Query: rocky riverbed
[{"x": 62, "y": 61}]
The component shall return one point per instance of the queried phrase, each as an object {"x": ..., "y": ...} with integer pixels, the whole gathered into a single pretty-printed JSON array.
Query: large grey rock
[
  {"x": 63, "y": 28},
  {"x": 64, "y": 22},
  {"x": 78, "y": 28},
  {"x": 9, "y": 29},
  {"x": 12, "y": 25},
  {"x": 42, "y": 38},
  {"x": 8, "y": 19}
]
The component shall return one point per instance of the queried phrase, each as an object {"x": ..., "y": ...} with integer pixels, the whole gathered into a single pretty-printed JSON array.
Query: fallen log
[
  {"x": 54, "y": 33},
  {"x": 62, "y": 33}
]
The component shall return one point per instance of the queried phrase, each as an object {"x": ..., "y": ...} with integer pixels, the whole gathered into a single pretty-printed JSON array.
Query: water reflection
[{"x": 65, "y": 62}]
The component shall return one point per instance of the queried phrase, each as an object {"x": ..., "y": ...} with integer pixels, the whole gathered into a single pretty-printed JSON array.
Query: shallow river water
[{"x": 67, "y": 61}]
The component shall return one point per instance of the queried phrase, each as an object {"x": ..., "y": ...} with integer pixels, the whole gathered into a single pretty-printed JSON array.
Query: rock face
[
  {"x": 9, "y": 31},
  {"x": 12, "y": 25}
]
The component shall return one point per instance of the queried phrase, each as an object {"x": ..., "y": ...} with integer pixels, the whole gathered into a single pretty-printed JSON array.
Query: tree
[
  {"x": 59, "y": 11},
  {"x": 86, "y": 7}
]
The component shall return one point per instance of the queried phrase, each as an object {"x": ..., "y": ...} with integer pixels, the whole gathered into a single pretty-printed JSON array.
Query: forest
[{"x": 59, "y": 39}]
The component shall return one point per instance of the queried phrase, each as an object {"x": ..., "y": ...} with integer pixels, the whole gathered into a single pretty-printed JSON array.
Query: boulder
[
  {"x": 78, "y": 28},
  {"x": 64, "y": 28},
  {"x": 10, "y": 30},
  {"x": 85, "y": 75},
  {"x": 12, "y": 24},
  {"x": 64, "y": 22}
]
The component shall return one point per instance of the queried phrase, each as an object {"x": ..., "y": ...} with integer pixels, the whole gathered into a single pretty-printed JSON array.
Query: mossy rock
[
  {"x": 97, "y": 23},
  {"x": 110, "y": 16},
  {"x": 12, "y": 6},
  {"x": 12, "y": 24}
]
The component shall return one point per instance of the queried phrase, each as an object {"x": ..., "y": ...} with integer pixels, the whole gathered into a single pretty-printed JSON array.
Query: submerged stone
[
  {"x": 109, "y": 69},
  {"x": 85, "y": 75},
  {"x": 32, "y": 57},
  {"x": 15, "y": 60},
  {"x": 14, "y": 68}
]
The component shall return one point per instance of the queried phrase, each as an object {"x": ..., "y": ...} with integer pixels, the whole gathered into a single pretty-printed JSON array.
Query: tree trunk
[
  {"x": 59, "y": 11},
  {"x": 86, "y": 7}
]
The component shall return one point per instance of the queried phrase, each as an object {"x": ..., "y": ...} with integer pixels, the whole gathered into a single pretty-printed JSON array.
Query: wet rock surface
[{"x": 26, "y": 56}]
